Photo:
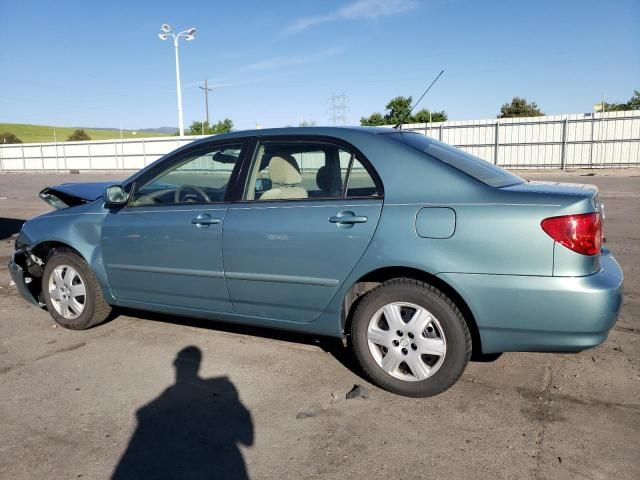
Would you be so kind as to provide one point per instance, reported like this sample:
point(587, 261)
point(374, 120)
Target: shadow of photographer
point(192, 430)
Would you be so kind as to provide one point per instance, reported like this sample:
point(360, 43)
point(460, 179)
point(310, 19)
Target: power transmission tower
point(338, 107)
point(206, 91)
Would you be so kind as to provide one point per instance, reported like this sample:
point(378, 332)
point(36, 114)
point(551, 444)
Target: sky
point(275, 63)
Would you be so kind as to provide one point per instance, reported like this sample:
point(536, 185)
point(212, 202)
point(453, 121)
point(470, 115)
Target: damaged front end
point(26, 270)
point(72, 194)
point(59, 200)
point(33, 247)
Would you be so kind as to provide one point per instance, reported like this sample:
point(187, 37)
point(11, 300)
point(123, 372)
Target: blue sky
point(101, 64)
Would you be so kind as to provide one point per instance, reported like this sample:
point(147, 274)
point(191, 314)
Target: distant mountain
point(46, 133)
point(170, 130)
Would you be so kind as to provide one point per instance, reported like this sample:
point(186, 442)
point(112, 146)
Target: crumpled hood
point(72, 194)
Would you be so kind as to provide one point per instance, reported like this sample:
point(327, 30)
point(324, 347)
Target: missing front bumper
point(25, 283)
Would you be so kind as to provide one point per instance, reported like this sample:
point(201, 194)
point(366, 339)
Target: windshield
point(465, 162)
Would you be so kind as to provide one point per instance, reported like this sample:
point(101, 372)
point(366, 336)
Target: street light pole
point(178, 88)
point(187, 35)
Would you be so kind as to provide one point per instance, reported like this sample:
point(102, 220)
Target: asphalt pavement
point(187, 398)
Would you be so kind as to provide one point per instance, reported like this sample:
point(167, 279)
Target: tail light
point(581, 233)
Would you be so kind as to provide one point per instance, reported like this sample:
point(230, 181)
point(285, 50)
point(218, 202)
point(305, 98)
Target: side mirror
point(115, 196)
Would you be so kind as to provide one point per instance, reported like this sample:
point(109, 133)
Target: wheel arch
point(33, 259)
point(89, 251)
point(374, 278)
point(43, 250)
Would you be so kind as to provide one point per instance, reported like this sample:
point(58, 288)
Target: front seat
point(285, 177)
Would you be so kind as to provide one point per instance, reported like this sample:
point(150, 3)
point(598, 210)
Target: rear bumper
point(19, 277)
point(543, 314)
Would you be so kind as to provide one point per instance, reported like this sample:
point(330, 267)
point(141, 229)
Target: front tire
point(410, 338)
point(72, 293)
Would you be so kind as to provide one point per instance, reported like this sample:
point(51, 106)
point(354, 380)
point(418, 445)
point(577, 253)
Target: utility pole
point(206, 91)
point(601, 132)
point(338, 108)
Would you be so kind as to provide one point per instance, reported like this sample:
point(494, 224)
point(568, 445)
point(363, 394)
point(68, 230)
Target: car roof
point(300, 131)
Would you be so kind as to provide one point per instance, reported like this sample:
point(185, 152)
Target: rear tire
point(72, 293)
point(424, 346)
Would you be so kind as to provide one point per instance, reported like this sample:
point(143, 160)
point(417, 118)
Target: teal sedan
point(416, 253)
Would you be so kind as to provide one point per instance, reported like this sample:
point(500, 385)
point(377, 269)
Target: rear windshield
point(465, 162)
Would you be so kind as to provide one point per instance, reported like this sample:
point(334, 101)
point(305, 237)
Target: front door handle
point(204, 219)
point(347, 218)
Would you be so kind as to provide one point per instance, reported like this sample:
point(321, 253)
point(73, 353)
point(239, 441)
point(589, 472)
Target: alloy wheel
point(406, 341)
point(67, 291)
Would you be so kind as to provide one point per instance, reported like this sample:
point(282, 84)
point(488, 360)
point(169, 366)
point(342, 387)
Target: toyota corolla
point(414, 251)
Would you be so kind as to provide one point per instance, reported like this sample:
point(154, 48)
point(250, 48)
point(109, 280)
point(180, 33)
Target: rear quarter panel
point(497, 231)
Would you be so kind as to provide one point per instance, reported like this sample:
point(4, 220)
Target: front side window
point(307, 170)
point(200, 178)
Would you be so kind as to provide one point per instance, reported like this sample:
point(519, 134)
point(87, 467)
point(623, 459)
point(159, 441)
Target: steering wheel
point(177, 197)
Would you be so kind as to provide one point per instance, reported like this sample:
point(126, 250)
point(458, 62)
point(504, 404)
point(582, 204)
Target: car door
point(165, 246)
point(308, 213)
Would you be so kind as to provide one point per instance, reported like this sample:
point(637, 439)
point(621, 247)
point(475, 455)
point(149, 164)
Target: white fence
point(590, 141)
point(129, 154)
point(609, 139)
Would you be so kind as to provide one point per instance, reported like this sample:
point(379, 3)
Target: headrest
point(323, 178)
point(284, 170)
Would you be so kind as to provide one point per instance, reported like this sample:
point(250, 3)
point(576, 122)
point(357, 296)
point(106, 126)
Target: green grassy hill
point(43, 133)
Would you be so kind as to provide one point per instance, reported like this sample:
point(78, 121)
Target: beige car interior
point(286, 179)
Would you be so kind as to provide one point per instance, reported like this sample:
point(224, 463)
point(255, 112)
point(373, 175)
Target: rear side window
point(307, 170)
point(473, 166)
point(355, 177)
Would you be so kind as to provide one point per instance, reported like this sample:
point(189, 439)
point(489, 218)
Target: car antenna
point(398, 126)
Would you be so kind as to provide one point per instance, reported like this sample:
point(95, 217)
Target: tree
point(426, 116)
point(610, 107)
point(374, 120)
point(307, 123)
point(223, 126)
point(8, 137)
point(634, 101)
point(397, 110)
point(632, 104)
point(203, 128)
point(519, 107)
point(78, 135)
point(198, 128)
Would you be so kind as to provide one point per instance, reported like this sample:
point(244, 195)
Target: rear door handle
point(348, 218)
point(204, 219)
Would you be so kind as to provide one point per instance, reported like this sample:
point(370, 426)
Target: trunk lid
point(556, 189)
point(569, 197)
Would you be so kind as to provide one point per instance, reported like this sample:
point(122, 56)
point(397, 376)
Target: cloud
point(280, 64)
point(360, 9)
point(290, 61)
